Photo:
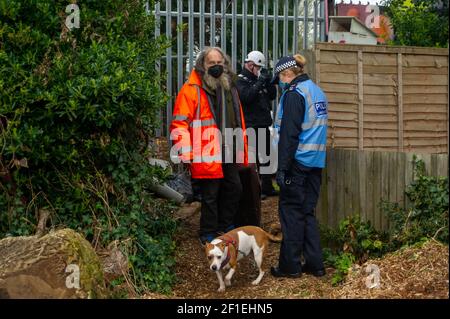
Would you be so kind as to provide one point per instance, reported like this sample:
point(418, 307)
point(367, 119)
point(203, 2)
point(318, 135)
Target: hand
point(265, 76)
point(280, 178)
point(260, 83)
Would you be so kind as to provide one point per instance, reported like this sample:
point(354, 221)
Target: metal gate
point(276, 28)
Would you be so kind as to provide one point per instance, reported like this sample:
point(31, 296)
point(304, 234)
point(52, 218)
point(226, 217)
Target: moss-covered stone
point(32, 267)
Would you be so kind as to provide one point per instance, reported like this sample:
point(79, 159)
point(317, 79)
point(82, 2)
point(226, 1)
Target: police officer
point(301, 124)
point(256, 94)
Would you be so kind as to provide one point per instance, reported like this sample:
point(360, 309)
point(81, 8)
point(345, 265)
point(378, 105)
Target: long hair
point(200, 61)
point(301, 62)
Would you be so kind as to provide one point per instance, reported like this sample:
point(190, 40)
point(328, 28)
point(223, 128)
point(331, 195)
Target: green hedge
point(77, 109)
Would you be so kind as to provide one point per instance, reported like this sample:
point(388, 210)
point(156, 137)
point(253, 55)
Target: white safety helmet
point(256, 57)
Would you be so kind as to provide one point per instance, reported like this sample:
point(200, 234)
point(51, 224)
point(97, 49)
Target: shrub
point(77, 109)
point(419, 22)
point(357, 237)
point(343, 262)
point(427, 216)
point(353, 241)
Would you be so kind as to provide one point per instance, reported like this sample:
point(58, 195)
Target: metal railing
point(276, 28)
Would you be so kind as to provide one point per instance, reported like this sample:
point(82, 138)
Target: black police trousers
point(298, 200)
point(220, 200)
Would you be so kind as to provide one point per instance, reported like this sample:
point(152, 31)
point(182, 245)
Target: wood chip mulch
point(420, 272)
point(413, 272)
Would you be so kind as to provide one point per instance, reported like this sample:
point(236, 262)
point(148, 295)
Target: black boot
point(276, 272)
point(315, 272)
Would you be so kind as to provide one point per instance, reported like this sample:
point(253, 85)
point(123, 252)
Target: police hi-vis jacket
point(312, 140)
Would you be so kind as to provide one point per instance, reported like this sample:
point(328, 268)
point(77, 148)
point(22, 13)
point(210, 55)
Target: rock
point(61, 264)
point(114, 261)
point(186, 211)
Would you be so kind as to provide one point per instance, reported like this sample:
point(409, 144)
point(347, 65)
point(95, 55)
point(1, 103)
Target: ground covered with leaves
point(420, 271)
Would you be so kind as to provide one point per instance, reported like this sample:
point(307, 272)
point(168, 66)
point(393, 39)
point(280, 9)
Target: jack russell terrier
point(224, 251)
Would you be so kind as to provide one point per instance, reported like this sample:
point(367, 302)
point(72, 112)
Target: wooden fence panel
point(370, 182)
point(355, 182)
point(385, 98)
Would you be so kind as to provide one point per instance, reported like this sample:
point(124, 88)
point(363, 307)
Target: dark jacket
point(256, 95)
point(293, 114)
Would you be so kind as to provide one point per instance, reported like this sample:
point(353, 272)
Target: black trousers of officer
point(298, 199)
point(220, 200)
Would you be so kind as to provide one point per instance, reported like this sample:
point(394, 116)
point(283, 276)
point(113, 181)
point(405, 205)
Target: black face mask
point(216, 70)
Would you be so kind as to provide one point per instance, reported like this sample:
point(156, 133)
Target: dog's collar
point(228, 240)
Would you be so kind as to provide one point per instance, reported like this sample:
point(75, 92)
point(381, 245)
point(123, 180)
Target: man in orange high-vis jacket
point(208, 131)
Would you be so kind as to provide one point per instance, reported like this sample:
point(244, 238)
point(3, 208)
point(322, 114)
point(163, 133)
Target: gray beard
point(214, 83)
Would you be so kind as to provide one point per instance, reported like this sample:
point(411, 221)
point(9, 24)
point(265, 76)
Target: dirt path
point(415, 272)
point(195, 280)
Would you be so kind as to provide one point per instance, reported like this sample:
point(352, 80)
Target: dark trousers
point(298, 199)
point(266, 179)
point(249, 212)
point(220, 201)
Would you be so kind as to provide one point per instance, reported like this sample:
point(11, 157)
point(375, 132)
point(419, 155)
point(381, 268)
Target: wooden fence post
point(400, 100)
point(360, 101)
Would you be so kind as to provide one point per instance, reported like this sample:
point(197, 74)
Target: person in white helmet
point(256, 94)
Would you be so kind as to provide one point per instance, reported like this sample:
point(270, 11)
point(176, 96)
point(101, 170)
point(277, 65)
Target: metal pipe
point(169, 71)
point(323, 16)
point(233, 35)
point(158, 61)
point(265, 31)
point(255, 26)
point(315, 22)
point(179, 45)
point(295, 28)
point(223, 26)
point(191, 36)
point(244, 31)
point(201, 28)
point(275, 31)
point(275, 51)
point(305, 25)
point(285, 28)
point(212, 41)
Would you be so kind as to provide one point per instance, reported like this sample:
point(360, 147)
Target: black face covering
point(216, 70)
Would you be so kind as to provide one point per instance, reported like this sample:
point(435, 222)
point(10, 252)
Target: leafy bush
point(342, 262)
point(356, 237)
point(77, 108)
point(427, 216)
point(419, 22)
point(356, 241)
point(353, 241)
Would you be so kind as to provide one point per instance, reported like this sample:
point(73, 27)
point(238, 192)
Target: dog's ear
point(208, 247)
point(221, 246)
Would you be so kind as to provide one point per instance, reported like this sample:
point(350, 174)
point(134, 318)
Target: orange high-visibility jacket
point(195, 132)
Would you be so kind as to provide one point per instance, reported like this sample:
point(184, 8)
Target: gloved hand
point(265, 76)
point(260, 83)
point(280, 178)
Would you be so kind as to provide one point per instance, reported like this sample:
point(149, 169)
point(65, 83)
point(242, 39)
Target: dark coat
point(256, 95)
